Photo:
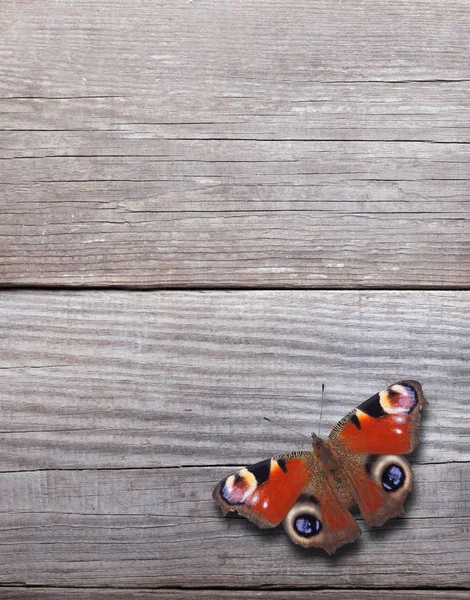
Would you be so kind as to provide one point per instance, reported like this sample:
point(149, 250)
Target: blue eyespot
point(393, 478)
point(307, 526)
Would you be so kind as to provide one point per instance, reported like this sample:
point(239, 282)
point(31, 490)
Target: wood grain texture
point(145, 379)
point(232, 144)
point(88, 48)
point(226, 144)
point(160, 527)
point(9, 593)
point(94, 383)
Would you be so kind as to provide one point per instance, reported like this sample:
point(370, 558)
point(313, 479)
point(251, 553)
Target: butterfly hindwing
point(379, 484)
point(264, 492)
point(318, 519)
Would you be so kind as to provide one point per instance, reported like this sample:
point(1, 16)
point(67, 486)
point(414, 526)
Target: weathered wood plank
point(111, 240)
point(159, 527)
point(83, 48)
point(238, 213)
point(231, 108)
point(15, 593)
point(70, 550)
point(145, 379)
point(195, 157)
point(441, 491)
point(246, 161)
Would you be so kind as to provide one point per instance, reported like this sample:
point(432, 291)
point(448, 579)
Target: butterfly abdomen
point(324, 455)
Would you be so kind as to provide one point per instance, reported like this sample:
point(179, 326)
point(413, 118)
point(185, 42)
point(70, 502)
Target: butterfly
point(359, 464)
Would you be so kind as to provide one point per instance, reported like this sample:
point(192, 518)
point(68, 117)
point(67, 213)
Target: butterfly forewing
point(264, 492)
point(386, 423)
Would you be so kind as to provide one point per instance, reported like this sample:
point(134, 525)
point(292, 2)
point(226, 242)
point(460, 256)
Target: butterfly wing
point(264, 492)
point(294, 488)
point(386, 423)
point(367, 442)
point(318, 518)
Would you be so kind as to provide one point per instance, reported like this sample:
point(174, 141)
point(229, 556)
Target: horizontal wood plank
point(38, 593)
point(94, 383)
point(231, 214)
point(84, 48)
point(168, 494)
point(160, 527)
point(145, 379)
point(271, 225)
point(231, 108)
point(235, 144)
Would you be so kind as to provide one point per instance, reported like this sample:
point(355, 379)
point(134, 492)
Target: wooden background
point(209, 209)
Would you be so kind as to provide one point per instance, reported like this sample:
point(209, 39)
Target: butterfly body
point(360, 464)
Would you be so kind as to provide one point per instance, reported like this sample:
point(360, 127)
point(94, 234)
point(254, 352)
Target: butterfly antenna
point(321, 407)
point(285, 427)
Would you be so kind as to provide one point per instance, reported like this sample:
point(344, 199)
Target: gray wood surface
point(143, 379)
point(221, 144)
point(226, 144)
point(160, 527)
point(176, 384)
point(132, 594)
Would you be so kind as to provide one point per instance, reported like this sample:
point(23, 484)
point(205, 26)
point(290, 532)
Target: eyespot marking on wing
point(398, 399)
point(237, 488)
point(393, 478)
point(307, 526)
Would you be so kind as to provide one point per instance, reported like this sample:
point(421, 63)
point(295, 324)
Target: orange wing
point(386, 423)
point(264, 492)
point(366, 443)
point(294, 488)
point(320, 518)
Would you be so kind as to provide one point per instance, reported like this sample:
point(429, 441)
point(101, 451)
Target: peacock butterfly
point(360, 463)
